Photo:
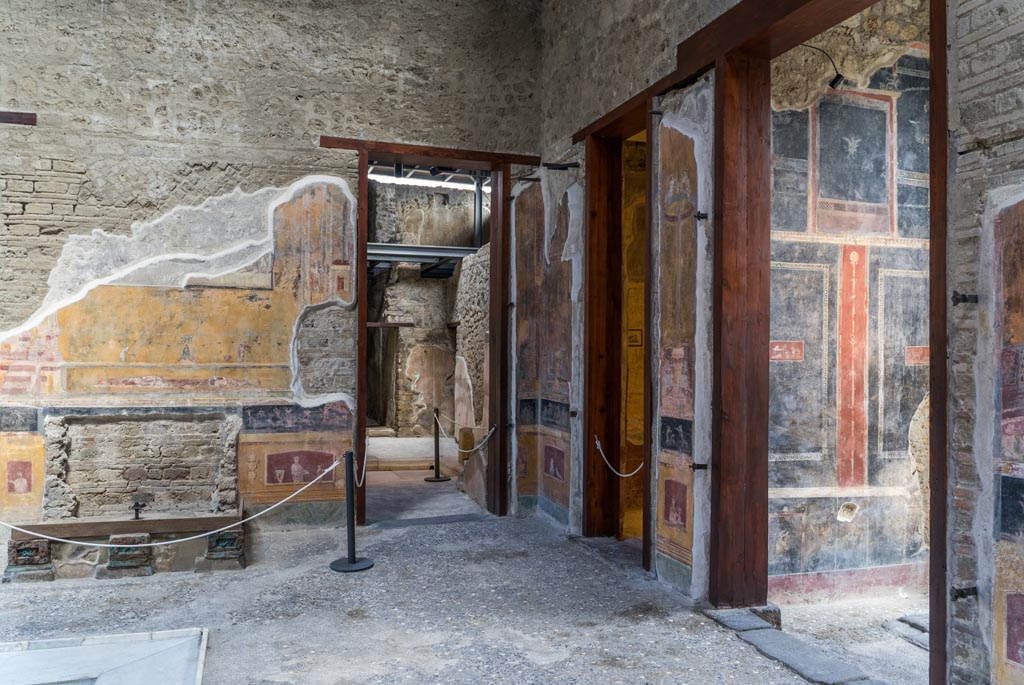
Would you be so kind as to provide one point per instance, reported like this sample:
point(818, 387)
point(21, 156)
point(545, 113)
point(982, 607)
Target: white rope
point(459, 449)
point(609, 465)
point(355, 464)
point(188, 539)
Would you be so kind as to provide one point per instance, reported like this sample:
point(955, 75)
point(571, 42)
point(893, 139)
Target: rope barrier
point(181, 540)
point(459, 449)
point(609, 465)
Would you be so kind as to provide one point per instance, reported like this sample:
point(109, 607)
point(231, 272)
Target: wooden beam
point(739, 472)
point(939, 146)
point(602, 334)
point(390, 324)
point(766, 29)
point(498, 470)
point(19, 118)
point(362, 331)
point(94, 528)
point(425, 155)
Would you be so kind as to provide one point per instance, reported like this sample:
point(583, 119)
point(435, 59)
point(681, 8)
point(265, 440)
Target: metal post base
point(437, 479)
point(344, 566)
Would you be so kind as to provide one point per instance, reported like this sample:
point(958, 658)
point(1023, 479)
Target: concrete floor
point(457, 596)
point(400, 454)
point(854, 630)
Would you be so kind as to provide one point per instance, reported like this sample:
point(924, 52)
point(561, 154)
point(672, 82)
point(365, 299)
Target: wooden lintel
point(19, 118)
point(425, 155)
point(390, 324)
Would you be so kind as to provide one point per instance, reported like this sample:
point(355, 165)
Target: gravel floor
point(854, 630)
point(488, 601)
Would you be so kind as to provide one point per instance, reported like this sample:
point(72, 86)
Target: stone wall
point(597, 55)
point(470, 310)
point(100, 465)
point(420, 375)
point(146, 106)
point(986, 72)
point(420, 215)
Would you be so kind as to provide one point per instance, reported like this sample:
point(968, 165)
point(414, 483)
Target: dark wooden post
point(739, 473)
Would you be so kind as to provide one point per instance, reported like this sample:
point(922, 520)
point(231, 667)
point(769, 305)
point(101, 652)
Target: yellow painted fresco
point(675, 507)
point(22, 471)
point(677, 283)
point(216, 339)
point(260, 484)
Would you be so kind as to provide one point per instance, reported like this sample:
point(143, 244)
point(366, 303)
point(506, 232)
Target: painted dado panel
point(237, 313)
point(849, 332)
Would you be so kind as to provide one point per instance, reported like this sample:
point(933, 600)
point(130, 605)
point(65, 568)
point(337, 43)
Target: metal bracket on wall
point(956, 593)
point(698, 467)
point(655, 112)
point(959, 297)
point(560, 166)
point(701, 216)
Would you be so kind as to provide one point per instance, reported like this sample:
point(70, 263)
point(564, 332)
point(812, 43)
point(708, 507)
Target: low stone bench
point(32, 559)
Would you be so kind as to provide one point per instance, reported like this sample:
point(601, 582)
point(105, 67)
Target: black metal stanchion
point(351, 564)
point(437, 477)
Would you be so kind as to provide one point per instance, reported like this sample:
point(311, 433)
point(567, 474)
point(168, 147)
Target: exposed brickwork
point(140, 111)
point(987, 123)
point(101, 465)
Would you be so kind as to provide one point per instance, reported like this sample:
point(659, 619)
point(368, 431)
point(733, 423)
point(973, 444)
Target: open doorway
point(428, 274)
point(848, 356)
point(616, 482)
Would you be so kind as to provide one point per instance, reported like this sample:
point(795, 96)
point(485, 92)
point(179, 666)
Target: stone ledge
point(804, 659)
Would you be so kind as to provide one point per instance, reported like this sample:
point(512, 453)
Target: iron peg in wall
point(700, 216)
point(963, 592)
point(560, 166)
point(962, 298)
point(655, 112)
point(698, 467)
point(137, 507)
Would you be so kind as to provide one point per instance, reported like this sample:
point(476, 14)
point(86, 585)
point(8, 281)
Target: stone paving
point(473, 600)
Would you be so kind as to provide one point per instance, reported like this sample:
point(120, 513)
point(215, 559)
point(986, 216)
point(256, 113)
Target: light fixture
point(836, 80)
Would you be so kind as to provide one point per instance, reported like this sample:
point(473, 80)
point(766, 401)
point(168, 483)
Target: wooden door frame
point(499, 164)
point(754, 29)
point(602, 337)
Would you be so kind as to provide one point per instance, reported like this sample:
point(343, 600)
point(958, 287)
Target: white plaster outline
point(300, 397)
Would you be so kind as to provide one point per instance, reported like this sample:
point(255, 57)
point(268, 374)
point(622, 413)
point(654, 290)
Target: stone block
point(28, 574)
point(127, 559)
point(229, 544)
point(19, 186)
point(739, 620)
point(51, 187)
point(28, 552)
point(38, 208)
point(806, 660)
point(68, 167)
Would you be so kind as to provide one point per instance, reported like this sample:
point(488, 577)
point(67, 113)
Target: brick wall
point(100, 465)
point(147, 106)
point(986, 131)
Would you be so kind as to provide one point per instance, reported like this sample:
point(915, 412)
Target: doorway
point(616, 477)
point(490, 481)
